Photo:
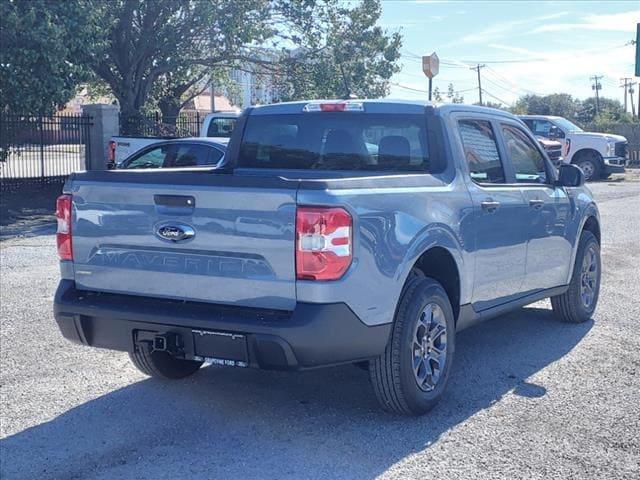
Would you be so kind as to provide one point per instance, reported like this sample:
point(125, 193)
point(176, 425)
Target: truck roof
point(217, 141)
point(551, 117)
point(385, 105)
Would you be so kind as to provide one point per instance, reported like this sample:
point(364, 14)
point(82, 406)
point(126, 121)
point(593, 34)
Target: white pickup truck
point(217, 125)
point(597, 154)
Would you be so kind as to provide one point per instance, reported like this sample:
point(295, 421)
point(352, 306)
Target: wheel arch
point(438, 262)
point(586, 150)
point(591, 224)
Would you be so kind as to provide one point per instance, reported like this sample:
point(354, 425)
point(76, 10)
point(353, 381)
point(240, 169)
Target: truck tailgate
point(186, 235)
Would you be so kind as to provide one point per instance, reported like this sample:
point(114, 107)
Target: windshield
point(566, 125)
point(336, 141)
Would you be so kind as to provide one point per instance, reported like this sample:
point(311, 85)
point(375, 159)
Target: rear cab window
point(194, 155)
point(221, 127)
point(342, 141)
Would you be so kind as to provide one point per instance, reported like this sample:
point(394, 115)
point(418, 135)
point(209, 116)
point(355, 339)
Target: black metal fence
point(42, 148)
point(186, 124)
point(631, 131)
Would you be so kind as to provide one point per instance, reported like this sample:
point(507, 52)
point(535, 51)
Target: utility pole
point(596, 85)
point(633, 108)
point(627, 83)
point(477, 69)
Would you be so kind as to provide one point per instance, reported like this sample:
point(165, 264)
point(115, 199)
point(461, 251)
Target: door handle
point(490, 205)
point(536, 203)
point(175, 201)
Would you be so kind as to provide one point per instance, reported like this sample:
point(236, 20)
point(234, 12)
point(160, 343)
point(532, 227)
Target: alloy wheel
point(429, 347)
point(589, 277)
point(588, 169)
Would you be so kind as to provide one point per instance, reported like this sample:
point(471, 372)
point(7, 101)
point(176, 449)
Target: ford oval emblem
point(175, 233)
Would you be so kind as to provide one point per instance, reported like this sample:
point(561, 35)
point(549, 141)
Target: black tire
point(590, 164)
point(392, 375)
point(161, 364)
point(570, 307)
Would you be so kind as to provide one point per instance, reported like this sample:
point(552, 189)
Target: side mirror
point(570, 176)
point(555, 132)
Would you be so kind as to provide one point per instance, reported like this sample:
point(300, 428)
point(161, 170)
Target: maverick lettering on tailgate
point(212, 263)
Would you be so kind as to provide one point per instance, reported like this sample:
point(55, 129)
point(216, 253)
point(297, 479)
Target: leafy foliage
point(453, 96)
point(41, 42)
point(351, 54)
point(164, 52)
point(564, 105)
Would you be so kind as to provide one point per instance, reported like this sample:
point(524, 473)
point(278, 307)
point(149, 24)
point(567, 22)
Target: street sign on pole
point(430, 67)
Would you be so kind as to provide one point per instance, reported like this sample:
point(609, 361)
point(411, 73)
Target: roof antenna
point(348, 95)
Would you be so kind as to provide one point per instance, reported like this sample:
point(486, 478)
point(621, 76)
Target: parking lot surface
point(529, 397)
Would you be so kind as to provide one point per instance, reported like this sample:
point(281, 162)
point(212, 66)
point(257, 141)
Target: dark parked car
point(177, 153)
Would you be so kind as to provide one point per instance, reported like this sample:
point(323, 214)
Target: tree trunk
point(170, 109)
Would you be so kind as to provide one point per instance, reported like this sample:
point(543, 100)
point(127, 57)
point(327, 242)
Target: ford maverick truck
point(334, 232)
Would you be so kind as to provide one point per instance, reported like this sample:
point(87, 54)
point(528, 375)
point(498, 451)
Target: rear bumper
point(313, 335)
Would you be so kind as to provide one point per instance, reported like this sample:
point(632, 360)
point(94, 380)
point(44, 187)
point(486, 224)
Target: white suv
point(597, 154)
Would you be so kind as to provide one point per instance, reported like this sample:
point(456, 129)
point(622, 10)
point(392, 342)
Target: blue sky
point(529, 47)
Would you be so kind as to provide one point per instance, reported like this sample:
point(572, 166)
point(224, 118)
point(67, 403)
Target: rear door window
point(336, 141)
point(193, 155)
point(481, 151)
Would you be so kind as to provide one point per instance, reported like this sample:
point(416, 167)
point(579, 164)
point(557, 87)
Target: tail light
point(63, 234)
point(323, 243)
point(111, 151)
point(334, 107)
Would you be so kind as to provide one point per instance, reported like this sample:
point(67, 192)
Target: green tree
point(348, 54)
point(171, 45)
point(491, 104)
point(40, 43)
point(564, 105)
point(161, 52)
point(453, 96)
point(610, 111)
point(437, 95)
point(560, 104)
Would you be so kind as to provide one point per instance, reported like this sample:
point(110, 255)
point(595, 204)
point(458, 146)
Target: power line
point(424, 91)
point(496, 98)
point(510, 82)
point(502, 87)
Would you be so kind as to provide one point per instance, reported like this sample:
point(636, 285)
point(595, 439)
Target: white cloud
point(413, 23)
point(617, 22)
point(563, 71)
point(500, 30)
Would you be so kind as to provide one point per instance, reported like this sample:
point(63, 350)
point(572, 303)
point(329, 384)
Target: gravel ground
point(529, 397)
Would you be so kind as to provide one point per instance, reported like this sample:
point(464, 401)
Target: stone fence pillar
point(106, 124)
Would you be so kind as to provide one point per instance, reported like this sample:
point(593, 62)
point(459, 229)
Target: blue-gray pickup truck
point(334, 232)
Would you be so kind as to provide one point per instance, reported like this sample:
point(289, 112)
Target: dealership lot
point(529, 398)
